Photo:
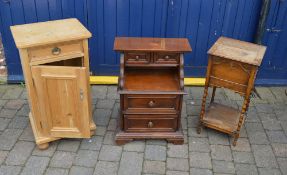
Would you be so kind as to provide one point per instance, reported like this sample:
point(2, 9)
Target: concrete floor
point(261, 149)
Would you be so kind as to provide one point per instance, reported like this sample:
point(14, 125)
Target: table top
point(152, 44)
point(238, 50)
point(42, 33)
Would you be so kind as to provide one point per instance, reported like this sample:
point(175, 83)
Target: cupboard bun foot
point(92, 133)
point(43, 146)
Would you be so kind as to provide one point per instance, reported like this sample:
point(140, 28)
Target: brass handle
point(56, 51)
point(150, 124)
point(137, 57)
point(151, 103)
point(166, 57)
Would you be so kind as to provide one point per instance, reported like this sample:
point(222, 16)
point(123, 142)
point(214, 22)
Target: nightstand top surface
point(238, 50)
point(152, 44)
point(42, 33)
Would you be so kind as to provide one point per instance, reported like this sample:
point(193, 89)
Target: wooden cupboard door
point(63, 100)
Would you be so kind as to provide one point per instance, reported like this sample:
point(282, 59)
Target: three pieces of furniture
point(232, 64)
point(151, 88)
point(55, 62)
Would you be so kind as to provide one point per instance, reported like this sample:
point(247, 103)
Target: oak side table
point(151, 88)
point(55, 62)
point(232, 64)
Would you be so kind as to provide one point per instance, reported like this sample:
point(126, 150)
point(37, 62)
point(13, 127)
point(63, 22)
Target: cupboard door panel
point(63, 100)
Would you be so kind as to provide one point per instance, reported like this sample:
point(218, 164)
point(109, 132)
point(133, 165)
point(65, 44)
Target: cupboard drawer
point(150, 123)
point(166, 58)
point(151, 101)
point(44, 53)
point(137, 58)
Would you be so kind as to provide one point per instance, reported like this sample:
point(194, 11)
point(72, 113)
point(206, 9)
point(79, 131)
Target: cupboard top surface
point(238, 50)
point(42, 33)
point(152, 44)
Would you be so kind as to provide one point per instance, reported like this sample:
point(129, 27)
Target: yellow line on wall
point(106, 80)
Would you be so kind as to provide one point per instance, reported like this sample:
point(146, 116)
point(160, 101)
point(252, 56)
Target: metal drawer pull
point(137, 57)
point(56, 51)
point(150, 124)
point(166, 57)
point(151, 104)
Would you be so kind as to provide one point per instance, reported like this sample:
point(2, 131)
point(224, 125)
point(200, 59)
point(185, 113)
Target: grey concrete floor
point(261, 149)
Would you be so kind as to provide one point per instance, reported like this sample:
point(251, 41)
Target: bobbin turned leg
point(213, 94)
point(236, 136)
point(200, 125)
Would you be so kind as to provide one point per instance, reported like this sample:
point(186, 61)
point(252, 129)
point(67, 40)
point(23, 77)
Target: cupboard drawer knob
point(56, 51)
point(166, 57)
point(137, 57)
point(151, 103)
point(150, 124)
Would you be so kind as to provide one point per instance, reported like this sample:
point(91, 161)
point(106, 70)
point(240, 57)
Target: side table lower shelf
point(221, 117)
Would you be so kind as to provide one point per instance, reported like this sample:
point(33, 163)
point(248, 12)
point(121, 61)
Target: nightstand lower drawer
point(150, 123)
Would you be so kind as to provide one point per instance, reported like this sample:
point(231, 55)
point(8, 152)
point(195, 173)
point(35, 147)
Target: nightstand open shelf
point(165, 79)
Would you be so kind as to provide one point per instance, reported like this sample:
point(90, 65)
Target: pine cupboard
point(55, 61)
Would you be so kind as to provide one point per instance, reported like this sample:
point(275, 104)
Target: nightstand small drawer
point(151, 102)
point(55, 51)
point(137, 58)
point(150, 123)
point(166, 58)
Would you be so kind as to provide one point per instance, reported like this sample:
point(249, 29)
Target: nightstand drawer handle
point(56, 51)
point(150, 124)
point(166, 57)
point(151, 103)
point(137, 57)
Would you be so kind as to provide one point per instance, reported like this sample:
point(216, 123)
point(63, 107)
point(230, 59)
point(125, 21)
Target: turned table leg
point(213, 94)
point(200, 125)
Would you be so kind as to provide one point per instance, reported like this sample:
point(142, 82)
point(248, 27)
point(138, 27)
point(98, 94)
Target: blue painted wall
point(274, 66)
point(201, 21)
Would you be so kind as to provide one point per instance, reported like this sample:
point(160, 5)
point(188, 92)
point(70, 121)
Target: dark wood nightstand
point(151, 88)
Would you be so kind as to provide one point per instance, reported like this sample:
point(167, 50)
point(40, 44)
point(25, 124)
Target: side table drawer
point(151, 102)
point(225, 73)
point(166, 58)
point(150, 123)
point(137, 58)
point(43, 53)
